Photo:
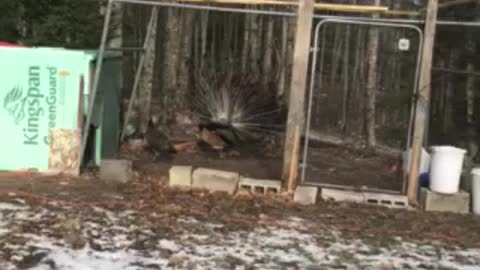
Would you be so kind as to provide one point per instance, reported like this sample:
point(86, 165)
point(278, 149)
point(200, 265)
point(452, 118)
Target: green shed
point(44, 97)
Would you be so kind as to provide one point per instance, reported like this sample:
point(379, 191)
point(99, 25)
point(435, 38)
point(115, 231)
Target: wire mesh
point(360, 70)
point(454, 114)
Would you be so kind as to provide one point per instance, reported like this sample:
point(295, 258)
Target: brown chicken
point(157, 142)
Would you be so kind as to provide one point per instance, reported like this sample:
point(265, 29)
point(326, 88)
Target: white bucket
point(446, 168)
point(476, 191)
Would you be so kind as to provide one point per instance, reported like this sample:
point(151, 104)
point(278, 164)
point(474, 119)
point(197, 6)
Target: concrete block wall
point(223, 181)
point(230, 182)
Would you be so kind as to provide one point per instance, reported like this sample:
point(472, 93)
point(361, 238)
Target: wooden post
point(423, 99)
point(296, 105)
point(293, 174)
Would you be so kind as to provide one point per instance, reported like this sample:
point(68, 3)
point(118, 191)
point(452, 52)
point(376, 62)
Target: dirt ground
point(150, 192)
point(326, 165)
point(341, 166)
point(63, 223)
point(260, 168)
point(116, 217)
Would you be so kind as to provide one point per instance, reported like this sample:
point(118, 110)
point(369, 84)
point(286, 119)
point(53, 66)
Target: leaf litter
point(161, 228)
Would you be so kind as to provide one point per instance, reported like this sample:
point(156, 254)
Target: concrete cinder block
point(180, 176)
point(305, 195)
point(342, 195)
point(116, 170)
point(455, 203)
point(260, 186)
point(387, 200)
point(215, 180)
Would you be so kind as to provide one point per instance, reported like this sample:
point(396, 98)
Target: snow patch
point(88, 259)
point(5, 206)
point(168, 245)
point(113, 241)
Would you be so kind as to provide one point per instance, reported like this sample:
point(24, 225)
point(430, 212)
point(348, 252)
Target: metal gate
point(317, 72)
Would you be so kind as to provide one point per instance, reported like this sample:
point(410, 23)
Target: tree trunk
point(145, 89)
point(213, 43)
point(282, 60)
point(289, 55)
point(225, 41)
point(320, 73)
point(438, 108)
point(255, 45)
point(197, 47)
point(267, 59)
point(356, 103)
point(372, 84)
point(401, 114)
point(472, 49)
point(246, 43)
point(204, 37)
point(128, 37)
point(236, 40)
point(173, 42)
point(448, 114)
point(115, 37)
point(183, 72)
point(395, 85)
point(346, 81)
point(336, 57)
point(470, 96)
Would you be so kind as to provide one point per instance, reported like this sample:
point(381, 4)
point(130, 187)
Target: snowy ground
point(40, 238)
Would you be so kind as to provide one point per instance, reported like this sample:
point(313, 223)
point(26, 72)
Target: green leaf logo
point(14, 104)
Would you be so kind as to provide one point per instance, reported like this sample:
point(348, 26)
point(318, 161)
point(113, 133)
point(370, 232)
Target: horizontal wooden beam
point(317, 6)
point(454, 3)
point(451, 3)
point(456, 71)
point(400, 13)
